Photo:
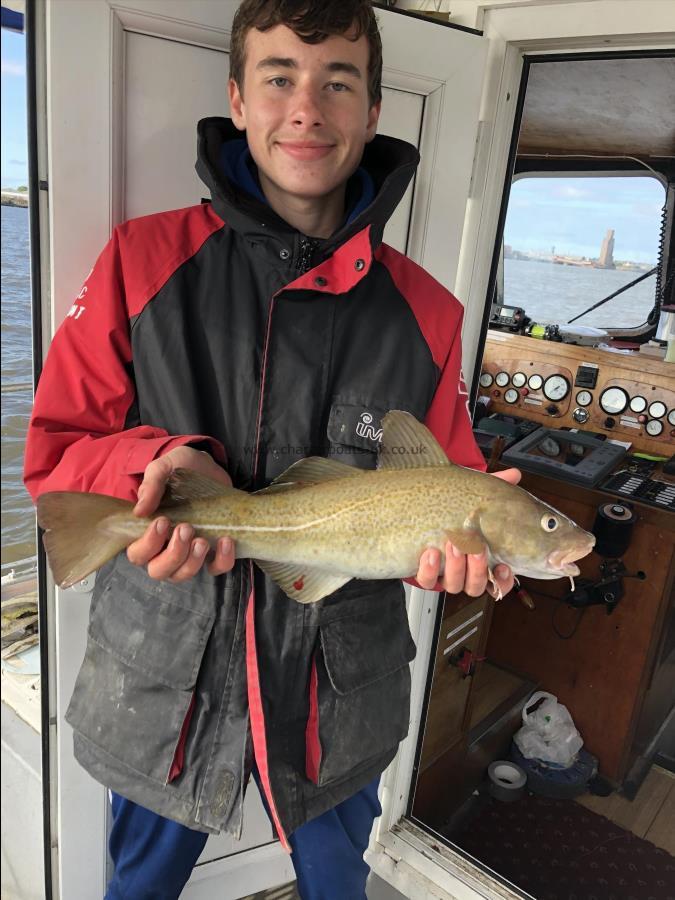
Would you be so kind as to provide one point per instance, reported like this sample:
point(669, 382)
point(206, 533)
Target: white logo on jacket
point(366, 429)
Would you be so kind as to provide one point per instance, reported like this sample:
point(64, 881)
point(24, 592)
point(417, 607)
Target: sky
point(14, 156)
point(570, 214)
point(573, 215)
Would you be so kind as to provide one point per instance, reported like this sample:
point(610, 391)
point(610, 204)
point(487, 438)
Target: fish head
point(533, 538)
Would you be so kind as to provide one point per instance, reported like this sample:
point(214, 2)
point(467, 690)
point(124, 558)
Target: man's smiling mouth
point(305, 149)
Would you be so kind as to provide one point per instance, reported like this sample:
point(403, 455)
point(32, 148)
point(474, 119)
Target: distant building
point(606, 259)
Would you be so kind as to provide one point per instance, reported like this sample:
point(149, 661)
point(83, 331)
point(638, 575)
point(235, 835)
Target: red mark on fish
point(300, 583)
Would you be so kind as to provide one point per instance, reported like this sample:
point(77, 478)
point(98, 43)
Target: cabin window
point(18, 521)
point(569, 242)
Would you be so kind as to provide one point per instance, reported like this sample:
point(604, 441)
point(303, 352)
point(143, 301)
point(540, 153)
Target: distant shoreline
point(14, 198)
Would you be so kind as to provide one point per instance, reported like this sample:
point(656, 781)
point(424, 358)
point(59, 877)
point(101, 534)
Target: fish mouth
point(563, 561)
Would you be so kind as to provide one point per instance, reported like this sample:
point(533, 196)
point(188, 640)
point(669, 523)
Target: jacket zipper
point(304, 261)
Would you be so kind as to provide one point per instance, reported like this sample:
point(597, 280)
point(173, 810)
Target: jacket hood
point(389, 162)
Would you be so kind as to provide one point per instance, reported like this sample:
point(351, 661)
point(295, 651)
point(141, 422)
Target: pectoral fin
point(302, 583)
point(469, 541)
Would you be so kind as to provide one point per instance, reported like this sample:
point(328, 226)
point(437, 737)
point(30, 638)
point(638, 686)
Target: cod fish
point(322, 522)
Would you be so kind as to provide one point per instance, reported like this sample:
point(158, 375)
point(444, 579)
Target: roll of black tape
point(613, 528)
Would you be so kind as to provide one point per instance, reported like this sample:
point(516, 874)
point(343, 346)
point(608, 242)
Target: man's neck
point(315, 217)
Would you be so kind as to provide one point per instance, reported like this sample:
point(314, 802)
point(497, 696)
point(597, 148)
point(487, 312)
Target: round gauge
point(519, 379)
point(502, 379)
point(580, 415)
point(613, 400)
point(485, 379)
point(584, 398)
point(654, 427)
point(638, 404)
point(535, 382)
point(556, 387)
point(511, 396)
point(671, 417)
point(549, 446)
point(657, 409)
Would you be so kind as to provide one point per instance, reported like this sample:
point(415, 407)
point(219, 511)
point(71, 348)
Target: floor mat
point(558, 850)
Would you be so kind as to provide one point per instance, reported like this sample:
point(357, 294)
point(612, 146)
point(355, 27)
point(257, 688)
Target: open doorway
point(575, 387)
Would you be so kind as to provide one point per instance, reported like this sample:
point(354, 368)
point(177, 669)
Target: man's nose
point(307, 107)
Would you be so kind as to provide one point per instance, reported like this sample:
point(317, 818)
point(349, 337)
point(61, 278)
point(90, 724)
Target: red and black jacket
point(222, 326)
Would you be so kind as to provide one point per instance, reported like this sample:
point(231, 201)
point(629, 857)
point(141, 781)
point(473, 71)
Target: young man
point(234, 338)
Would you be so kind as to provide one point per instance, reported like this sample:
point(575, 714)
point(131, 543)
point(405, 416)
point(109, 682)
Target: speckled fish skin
point(377, 524)
point(322, 522)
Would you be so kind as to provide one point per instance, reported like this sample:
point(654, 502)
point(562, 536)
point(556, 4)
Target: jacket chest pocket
point(360, 682)
point(145, 646)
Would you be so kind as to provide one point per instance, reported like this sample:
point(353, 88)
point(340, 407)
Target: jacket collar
point(390, 162)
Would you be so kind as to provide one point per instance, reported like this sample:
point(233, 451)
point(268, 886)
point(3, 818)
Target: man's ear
point(237, 109)
point(373, 118)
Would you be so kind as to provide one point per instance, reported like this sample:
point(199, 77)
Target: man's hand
point(468, 573)
point(184, 555)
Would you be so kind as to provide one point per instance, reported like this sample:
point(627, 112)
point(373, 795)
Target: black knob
point(610, 422)
point(552, 409)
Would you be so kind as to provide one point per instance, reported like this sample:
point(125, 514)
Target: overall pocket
point(145, 645)
point(360, 681)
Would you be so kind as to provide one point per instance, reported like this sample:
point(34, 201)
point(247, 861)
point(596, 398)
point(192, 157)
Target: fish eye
point(549, 523)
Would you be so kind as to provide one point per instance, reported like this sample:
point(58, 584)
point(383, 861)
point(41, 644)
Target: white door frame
point(400, 852)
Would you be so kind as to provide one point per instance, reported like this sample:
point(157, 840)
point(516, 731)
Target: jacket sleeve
point(78, 437)
point(448, 417)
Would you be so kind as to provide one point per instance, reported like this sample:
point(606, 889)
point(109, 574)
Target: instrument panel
point(628, 398)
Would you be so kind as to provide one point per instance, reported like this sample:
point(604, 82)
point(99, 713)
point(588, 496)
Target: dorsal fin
point(186, 486)
point(314, 470)
point(408, 444)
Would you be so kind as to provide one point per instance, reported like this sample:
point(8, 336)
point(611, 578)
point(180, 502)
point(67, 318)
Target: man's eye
point(338, 86)
point(279, 81)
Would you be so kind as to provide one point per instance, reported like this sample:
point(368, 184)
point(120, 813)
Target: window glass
point(18, 519)
point(570, 242)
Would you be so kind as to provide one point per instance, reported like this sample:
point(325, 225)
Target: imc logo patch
point(366, 429)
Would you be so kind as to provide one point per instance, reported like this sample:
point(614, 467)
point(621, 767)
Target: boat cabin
point(547, 186)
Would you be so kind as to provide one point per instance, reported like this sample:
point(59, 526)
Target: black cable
point(565, 637)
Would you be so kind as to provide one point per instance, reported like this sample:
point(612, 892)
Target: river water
point(542, 288)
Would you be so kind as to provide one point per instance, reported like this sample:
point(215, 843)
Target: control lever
point(607, 591)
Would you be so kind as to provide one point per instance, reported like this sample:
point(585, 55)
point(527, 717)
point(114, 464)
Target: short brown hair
point(313, 21)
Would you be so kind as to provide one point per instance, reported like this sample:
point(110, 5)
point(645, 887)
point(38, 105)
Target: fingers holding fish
point(157, 473)
point(141, 551)
point(429, 570)
point(223, 557)
point(502, 582)
point(476, 579)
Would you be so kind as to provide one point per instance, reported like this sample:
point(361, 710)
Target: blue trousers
point(154, 856)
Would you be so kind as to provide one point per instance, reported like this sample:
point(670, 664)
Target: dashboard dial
point(584, 398)
point(556, 387)
point(657, 409)
point(613, 400)
point(638, 404)
point(671, 417)
point(519, 379)
point(511, 396)
point(502, 379)
point(580, 415)
point(486, 379)
point(654, 427)
point(535, 382)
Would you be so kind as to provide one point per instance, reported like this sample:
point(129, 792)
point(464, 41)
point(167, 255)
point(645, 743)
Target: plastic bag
point(548, 733)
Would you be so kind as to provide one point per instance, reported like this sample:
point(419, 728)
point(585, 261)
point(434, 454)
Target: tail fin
point(75, 542)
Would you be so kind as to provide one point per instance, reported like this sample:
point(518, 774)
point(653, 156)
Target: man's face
point(306, 110)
